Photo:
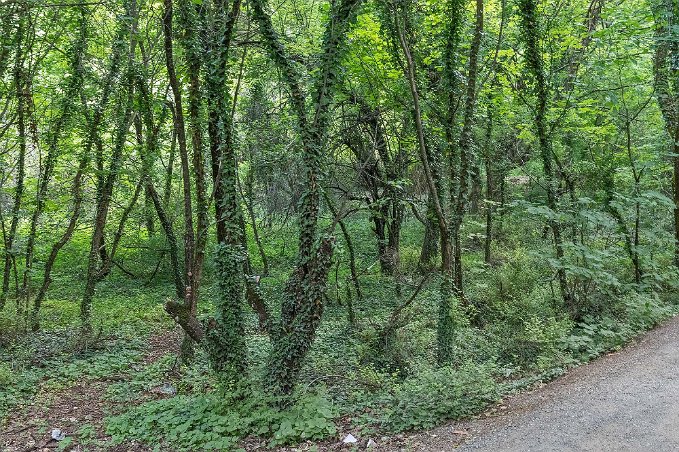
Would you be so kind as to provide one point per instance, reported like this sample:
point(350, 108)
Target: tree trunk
point(302, 306)
point(445, 327)
point(21, 86)
point(49, 264)
point(533, 57)
point(124, 114)
point(465, 148)
point(184, 312)
point(179, 133)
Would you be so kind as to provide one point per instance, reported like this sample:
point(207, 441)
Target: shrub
point(540, 344)
point(6, 375)
point(435, 395)
point(218, 420)
point(635, 313)
point(644, 311)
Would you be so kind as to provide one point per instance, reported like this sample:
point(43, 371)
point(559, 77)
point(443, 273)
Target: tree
point(666, 72)
point(302, 306)
point(530, 29)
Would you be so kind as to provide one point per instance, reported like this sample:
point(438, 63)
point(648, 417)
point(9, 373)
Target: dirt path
point(626, 401)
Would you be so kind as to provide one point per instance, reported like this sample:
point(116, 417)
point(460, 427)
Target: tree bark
point(124, 121)
point(529, 29)
point(20, 86)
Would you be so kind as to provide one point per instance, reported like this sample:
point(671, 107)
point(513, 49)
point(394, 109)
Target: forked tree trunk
point(303, 305)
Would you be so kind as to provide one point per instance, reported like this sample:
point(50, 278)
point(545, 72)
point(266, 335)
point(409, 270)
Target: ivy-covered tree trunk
point(302, 306)
point(491, 167)
point(224, 336)
point(666, 72)
point(20, 84)
point(226, 339)
point(169, 174)
point(465, 148)
point(123, 121)
point(392, 207)
point(530, 29)
point(6, 40)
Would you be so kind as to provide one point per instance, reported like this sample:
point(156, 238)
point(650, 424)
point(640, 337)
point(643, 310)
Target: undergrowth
point(220, 420)
point(355, 377)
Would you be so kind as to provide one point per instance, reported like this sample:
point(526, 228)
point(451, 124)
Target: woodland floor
point(80, 405)
point(624, 401)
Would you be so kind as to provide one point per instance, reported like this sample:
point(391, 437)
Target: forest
point(252, 224)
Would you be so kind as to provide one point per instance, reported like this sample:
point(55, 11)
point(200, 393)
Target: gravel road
point(626, 401)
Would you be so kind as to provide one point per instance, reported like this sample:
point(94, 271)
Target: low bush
point(220, 420)
point(434, 395)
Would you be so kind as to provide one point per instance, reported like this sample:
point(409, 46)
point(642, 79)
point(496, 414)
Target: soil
point(71, 408)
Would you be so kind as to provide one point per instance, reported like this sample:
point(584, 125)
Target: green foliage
point(143, 380)
point(10, 327)
point(86, 434)
point(540, 346)
point(65, 443)
point(225, 341)
point(635, 313)
point(218, 421)
point(435, 395)
point(6, 375)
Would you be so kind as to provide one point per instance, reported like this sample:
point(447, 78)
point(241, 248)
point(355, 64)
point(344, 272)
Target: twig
point(127, 272)
point(19, 430)
point(391, 324)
